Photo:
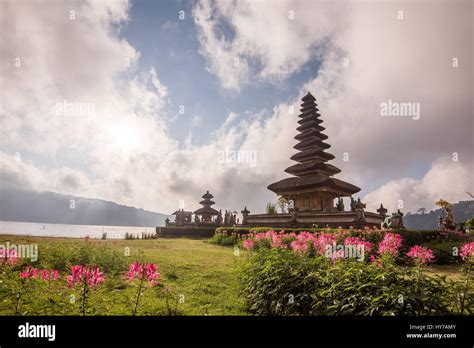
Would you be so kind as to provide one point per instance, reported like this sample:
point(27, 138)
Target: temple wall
point(308, 219)
point(201, 231)
point(318, 201)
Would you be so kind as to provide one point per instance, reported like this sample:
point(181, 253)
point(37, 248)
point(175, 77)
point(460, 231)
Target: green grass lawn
point(203, 278)
point(202, 275)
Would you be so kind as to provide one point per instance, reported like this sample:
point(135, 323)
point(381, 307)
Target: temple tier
point(206, 212)
point(312, 187)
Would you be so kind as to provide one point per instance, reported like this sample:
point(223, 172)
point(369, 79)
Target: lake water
point(73, 231)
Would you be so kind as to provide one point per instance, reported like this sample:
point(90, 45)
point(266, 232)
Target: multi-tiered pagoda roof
point(312, 172)
point(206, 205)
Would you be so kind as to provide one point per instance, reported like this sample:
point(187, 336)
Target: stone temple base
point(186, 231)
point(309, 219)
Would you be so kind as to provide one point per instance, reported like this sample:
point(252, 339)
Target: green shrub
point(278, 282)
point(62, 257)
point(224, 239)
point(444, 251)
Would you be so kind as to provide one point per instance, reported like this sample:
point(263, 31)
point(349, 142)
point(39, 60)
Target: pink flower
point(81, 274)
point(151, 274)
point(9, 257)
point(358, 242)
point(277, 241)
point(374, 259)
point(54, 274)
point(49, 274)
point(467, 251)
point(29, 272)
point(270, 234)
point(259, 236)
point(390, 244)
point(321, 243)
point(44, 274)
point(248, 244)
point(147, 271)
point(421, 254)
point(300, 246)
point(94, 276)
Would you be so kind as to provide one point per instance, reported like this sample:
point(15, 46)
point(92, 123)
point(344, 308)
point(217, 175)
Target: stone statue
point(447, 221)
point(291, 205)
point(179, 218)
point(167, 222)
point(187, 218)
point(359, 209)
point(226, 218)
point(353, 204)
point(393, 222)
point(440, 224)
point(197, 220)
point(293, 216)
point(245, 213)
point(382, 211)
point(219, 218)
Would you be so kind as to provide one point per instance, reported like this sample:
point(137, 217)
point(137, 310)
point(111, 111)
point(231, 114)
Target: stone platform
point(309, 219)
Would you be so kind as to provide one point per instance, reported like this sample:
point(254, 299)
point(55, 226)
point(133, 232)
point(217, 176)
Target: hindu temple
point(312, 188)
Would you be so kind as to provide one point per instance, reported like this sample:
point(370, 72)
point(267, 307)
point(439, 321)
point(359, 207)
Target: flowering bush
point(466, 300)
point(421, 254)
point(86, 288)
point(45, 274)
point(280, 281)
point(306, 243)
point(248, 244)
point(390, 244)
point(87, 278)
point(467, 251)
point(143, 272)
point(8, 257)
point(293, 274)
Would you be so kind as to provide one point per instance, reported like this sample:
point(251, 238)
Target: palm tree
point(271, 208)
point(421, 210)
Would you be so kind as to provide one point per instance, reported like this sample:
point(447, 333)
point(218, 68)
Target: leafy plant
point(271, 208)
point(278, 281)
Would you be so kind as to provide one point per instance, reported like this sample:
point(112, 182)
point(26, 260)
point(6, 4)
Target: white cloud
point(446, 179)
point(129, 156)
point(269, 42)
point(407, 60)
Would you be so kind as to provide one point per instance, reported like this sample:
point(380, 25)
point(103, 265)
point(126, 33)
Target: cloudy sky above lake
point(134, 102)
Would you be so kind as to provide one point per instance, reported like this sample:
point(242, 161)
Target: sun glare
point(124, 137)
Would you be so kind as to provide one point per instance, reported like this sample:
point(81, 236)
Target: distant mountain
point(462, 211)
point(50, 207)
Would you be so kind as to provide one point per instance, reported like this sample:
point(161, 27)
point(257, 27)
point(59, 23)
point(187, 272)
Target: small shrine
point(204, 217)
point(205, 214)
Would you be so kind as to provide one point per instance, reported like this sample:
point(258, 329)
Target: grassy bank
point(201, 276)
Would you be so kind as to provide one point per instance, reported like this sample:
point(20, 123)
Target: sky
point(137, 101)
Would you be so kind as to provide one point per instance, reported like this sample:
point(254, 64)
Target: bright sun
point(124, 137)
